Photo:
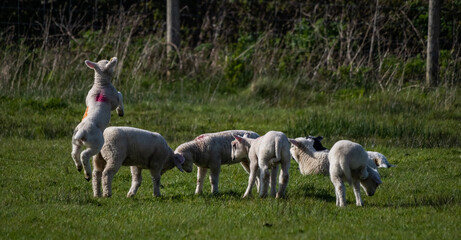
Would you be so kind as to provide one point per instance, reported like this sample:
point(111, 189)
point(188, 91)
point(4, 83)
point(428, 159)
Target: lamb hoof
point(88, 178)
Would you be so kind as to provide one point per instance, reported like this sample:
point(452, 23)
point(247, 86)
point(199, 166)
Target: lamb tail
point(278, 151)
point(346, 171)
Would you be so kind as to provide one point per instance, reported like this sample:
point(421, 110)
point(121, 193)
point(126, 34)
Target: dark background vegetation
point(355, 68)
point(322, 45)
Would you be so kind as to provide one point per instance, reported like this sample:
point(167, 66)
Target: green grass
point(43, 196)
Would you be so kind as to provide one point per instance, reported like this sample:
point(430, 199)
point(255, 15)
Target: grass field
point(43, 195)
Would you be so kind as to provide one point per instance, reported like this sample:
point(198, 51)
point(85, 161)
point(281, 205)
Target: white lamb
point(210, 151)
point(310, 160)
point(379, 159)
point(348, 161)
point(265, 153)
point(140, 149)
point(100, 101)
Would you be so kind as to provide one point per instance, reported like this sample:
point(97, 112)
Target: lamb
point(265, 153)
point(379, 159)
point(100, 101)
point(210, 151)
point(348, 161)
point(310, 160)
point(138, 148)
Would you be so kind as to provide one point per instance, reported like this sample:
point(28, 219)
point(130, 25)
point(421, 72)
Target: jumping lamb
point(100, 101)
point(210, 151)
point(348, 162)
point(265, 153)
point(138, 148)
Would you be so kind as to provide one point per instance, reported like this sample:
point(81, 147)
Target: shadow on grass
point(317, 192)
point(181, 197)
point(224, 195)
point(434, 201)
point(320, 194)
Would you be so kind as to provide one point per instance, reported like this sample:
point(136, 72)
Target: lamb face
point(299, 145)
point(188, 157)
point(294, 151)
point(103, 67)
point(371, 183)
point(317, 143)
point(179, 162)
point(240, 148)
point(187, 164)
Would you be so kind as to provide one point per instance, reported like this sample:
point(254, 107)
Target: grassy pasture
point(43, 196)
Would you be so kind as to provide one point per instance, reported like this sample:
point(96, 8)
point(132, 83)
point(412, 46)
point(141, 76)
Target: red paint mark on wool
point(200, 137)
point(101, 98)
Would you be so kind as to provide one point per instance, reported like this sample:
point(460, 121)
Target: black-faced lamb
point(100, 101)
point(210, 151)
point(348, 162)
point(138, 148)
point(265, 153)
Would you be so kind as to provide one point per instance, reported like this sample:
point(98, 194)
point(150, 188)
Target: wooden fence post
point(432, 60)
point(172, 24)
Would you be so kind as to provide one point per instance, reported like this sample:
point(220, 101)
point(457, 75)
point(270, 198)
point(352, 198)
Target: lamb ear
point(178, 161)
point(377, 180)
point(294, 142)
point(112, 62)
point(239, 139)
point(92, 65)
point(320, 138)
point(375, 160)
point(375, 175)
